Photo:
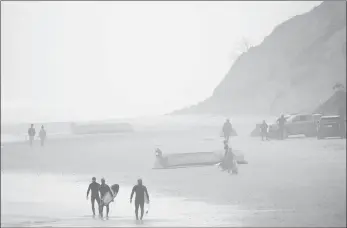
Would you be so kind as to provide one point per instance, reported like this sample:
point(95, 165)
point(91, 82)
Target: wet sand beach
point(296, 182)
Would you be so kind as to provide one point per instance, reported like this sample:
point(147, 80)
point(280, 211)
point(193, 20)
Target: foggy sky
point(93, 60)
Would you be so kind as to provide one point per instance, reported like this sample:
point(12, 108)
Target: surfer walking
point(42, 135)
point(94, 188)
point(263, 130)
point(103, 189)
point(228, 163)
point(281, 122)
point(31, 134)
point(140, 191)
point(227, 129)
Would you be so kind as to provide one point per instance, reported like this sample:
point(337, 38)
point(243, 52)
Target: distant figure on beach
point(263, 130)
point(94, 187)
point(158, 153)
point(104, 188)
point(281, 121)
point(227, 130)
point(228, 163)
point(140, 191)
point(31, 133)
point(42, 135)
point(342, 114)
point(226, 148)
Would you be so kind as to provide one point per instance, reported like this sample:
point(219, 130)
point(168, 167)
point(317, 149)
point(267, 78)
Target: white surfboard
point(107, 199)
point(146, 203)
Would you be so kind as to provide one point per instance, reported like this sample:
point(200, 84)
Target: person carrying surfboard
point(227, 130)
point(141, 195)
point(94, 187)
point(103, 189)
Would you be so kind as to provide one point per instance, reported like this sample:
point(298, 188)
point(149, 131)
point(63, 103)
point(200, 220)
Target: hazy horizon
point(100, 60)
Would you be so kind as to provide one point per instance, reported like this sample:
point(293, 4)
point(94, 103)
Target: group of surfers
point(95, 188)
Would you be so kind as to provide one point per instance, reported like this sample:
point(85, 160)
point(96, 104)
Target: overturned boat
point(193, 159)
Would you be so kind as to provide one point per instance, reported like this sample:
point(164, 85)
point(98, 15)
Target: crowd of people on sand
point(98, 193)
point(32, 132)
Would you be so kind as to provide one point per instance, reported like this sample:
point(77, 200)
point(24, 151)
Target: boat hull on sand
point(196, 159)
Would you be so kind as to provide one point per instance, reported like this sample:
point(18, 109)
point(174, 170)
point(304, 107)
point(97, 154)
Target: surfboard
point(146, 203)
point(107, 199)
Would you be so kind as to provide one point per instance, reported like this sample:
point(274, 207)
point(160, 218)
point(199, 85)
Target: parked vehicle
point(329, 126)
point(297, 124)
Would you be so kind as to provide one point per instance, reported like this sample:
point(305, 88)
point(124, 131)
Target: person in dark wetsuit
point(31, 133)
point(227, 129)
point(263, 130)
point(103, 189)
point(228, 157)
point(140, 191)
point(342, 121)
point(94, 187)
point(226, 148)
point(42, 135)
point(281, 121)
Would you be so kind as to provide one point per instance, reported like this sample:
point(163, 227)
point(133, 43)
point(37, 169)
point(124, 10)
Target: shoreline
point(120, 213)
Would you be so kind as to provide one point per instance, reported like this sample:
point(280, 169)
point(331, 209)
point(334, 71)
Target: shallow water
point(52, 200)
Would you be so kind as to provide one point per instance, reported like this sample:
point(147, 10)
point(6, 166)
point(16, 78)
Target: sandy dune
point(296, 182)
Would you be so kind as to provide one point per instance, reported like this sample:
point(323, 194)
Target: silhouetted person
point(140, 191)
point(227, 129)
point(31, 133)
point(224, 163)
point(342, 124)
point(226, 148)
point(281, 121)
point(263, 130)
point(94, 187)
point(42, 135)
point(103, 189)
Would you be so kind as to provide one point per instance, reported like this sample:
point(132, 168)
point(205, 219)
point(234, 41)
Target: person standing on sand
point(140, 191)
point(42, 135)
point(94, 187)
point(263, 130)
point(228, 163)
point(227, 129)
point(103, 189)
point(281, 121)
point(342, 114)
point(223, 164)
point(226, 148)
point(31, 133)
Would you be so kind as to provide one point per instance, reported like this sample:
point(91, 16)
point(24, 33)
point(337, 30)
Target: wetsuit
point(263, 129)
point(228, 159)
point(342, 114)
point(226, 150)
point(94, 187)
point(42, 135)
point(281, 122)
point(140, 191)
point(227, 129)
point(31, 133)
point(103, 189)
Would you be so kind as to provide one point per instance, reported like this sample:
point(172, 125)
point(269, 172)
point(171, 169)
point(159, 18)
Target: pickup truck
point(297, 124)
